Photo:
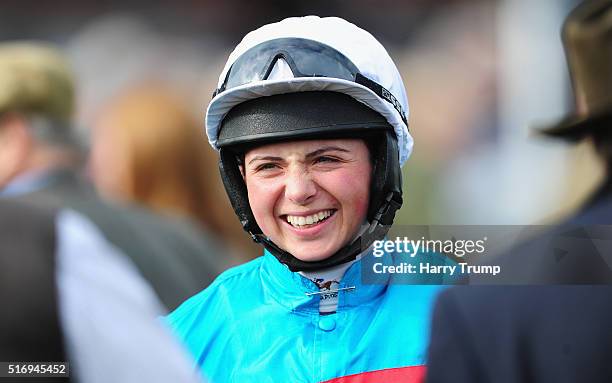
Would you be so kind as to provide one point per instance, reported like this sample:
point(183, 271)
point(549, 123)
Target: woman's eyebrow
point(265, 158)
point(318, 152)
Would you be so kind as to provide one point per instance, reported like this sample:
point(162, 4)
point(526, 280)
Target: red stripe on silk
point(411, 374)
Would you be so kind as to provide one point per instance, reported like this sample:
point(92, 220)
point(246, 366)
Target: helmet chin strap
point(373, 231)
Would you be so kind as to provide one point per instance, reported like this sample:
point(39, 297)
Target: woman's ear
point(240, 161)
point(241, 167)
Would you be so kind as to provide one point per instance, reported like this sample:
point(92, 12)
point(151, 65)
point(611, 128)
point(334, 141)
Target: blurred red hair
point(149, 149)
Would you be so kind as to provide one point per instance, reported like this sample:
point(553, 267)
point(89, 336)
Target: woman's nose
point(300, 187)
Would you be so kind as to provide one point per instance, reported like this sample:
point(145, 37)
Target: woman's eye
point(325, 159)
point(267, 166)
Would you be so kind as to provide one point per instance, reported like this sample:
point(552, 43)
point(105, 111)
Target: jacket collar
point(35, 181)
point(596, 210)
point(300, 294)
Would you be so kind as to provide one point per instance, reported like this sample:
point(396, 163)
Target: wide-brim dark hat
point(575, 128)
point(587, 39)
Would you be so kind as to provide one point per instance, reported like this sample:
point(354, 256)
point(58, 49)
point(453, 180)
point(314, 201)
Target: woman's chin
point(310, 252)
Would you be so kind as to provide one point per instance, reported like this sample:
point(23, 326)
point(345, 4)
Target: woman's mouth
point(304, 222)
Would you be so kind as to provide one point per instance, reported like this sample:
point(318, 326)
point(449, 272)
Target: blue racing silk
point(260, 322)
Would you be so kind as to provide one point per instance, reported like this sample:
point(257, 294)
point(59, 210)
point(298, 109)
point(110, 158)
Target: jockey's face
point(309, 197)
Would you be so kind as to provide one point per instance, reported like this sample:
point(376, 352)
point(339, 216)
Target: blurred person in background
point(547, 333)
point(70, 296)
point(147, 149)
point(40, 161)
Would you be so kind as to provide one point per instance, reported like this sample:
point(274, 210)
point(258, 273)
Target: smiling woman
point(309, 120)
point(302, 121)
point(309, 197)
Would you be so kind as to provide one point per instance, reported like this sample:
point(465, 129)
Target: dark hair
point(602, 140)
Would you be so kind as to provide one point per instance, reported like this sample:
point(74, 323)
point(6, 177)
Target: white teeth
point(308, 220)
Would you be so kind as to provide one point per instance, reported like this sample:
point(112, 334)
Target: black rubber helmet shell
point(303, 116)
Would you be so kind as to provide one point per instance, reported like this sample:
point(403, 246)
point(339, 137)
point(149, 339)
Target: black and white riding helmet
point(312, 77)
